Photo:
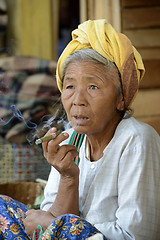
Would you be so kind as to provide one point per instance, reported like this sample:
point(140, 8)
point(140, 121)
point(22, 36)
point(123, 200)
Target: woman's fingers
point(36, 217)
point(60, 157)
point(55, 142)
point(29, 212)
point(60, 138)
point(64, 161)
point(45, 144)
point(65, 150)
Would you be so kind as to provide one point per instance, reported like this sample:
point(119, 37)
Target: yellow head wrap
point(115, 46)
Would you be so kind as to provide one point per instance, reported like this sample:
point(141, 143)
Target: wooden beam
point(133, 3)
point(145, 104)
point(143, 38)
point(144, 17)
point(149, 53)
point(151, 78)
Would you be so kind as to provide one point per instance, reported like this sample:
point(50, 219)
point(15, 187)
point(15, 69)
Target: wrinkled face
point(89, 96)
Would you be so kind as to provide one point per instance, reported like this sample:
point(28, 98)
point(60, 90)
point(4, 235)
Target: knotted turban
point(113, 45)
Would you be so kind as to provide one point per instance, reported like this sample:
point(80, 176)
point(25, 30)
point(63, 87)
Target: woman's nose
point(80, 98)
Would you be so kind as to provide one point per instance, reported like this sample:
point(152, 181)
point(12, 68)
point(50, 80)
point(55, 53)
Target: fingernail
point(65, 134)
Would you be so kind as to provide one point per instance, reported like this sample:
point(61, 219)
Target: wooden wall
point(140, 21)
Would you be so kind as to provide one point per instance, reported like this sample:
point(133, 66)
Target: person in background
point(105, 169)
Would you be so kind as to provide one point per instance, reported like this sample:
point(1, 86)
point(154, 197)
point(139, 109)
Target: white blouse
point(119, 193)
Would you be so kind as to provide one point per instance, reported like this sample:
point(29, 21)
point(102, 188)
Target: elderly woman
point(112, 186)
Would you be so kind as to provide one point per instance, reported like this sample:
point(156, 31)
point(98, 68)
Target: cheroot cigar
point(47, 138)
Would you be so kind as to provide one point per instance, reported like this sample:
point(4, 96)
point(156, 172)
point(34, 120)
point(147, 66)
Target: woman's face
point(89, 96)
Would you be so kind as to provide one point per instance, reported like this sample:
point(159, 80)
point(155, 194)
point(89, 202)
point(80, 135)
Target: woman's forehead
point(91, 68)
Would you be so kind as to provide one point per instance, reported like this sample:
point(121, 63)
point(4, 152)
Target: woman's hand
point(61, 157)
point(37, 217)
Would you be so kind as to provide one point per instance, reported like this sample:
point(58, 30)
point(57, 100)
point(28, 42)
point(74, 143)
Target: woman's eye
point(69, 86)
point(93, 87)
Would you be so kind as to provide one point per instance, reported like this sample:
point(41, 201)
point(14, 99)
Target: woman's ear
point(120, 103)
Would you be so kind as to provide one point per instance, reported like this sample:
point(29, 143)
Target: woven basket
point(24, 192)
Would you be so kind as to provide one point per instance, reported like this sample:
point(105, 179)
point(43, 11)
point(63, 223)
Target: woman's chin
point(80, 129)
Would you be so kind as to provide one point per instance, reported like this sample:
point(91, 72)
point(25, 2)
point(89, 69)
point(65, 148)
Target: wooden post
point(98, 9)
point(83, 10)
point(55, 27)
point(30, 28)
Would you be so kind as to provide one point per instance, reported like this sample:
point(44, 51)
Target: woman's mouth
point(80, 119)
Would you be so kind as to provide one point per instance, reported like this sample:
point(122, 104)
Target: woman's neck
point(99, 141)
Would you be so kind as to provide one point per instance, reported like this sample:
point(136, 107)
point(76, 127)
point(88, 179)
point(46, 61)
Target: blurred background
point(33, 33)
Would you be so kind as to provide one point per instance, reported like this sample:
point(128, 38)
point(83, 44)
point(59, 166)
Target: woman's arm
point(67, 197)
point(61, 158)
